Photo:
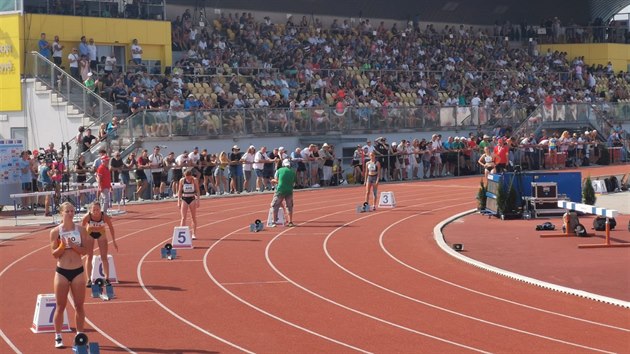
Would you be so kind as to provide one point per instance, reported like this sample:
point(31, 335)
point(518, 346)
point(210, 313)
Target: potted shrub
point(588, 193)
point(481, 197)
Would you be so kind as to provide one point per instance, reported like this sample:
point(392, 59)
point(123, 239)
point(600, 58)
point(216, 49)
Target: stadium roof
point(478, 12)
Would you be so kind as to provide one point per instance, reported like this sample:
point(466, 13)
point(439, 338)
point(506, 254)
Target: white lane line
point(439, 307)
point(178, 260)
point(378, 319)
point(439, 237)
point(257, 282)
point(9, 343)
point(241, 300)
point(115, 302)
point(173, 313)
point(87, 320)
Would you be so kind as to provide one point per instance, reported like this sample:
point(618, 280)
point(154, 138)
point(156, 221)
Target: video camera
point(47, 155)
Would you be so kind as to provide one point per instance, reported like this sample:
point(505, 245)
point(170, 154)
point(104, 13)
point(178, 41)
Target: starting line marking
point(118, 302)
point(178, 260)
point(257, 282)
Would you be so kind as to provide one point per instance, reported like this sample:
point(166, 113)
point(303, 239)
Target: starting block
point(44, 312)
point(365, 207)
point(168, 252)
point(387, 200)
point(99, 289)
point(97, 269)
point(280, 220)
point(83, 346)
point(256, 226)
point(182, 237)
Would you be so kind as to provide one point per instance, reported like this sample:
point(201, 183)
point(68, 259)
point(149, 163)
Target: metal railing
point(315, 120)
point(602, 116)
point(70, 89)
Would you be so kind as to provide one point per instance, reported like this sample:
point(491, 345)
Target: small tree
point(482, 197)
point(588, 193)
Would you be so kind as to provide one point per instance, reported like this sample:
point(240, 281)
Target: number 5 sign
point(181, 237)
point(44, 311)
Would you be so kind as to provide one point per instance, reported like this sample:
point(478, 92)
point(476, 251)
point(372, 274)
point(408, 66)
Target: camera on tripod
point(47, 155)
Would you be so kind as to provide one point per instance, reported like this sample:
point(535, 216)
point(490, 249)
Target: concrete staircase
point(62, 106)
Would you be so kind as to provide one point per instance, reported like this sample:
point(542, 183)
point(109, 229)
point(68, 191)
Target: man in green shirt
point(90, 84)
point(284, 180)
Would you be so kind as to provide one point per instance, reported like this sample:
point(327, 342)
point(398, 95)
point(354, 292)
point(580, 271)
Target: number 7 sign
point(44, 314)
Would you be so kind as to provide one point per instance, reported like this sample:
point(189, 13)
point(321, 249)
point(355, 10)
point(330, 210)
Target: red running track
point(338, 282)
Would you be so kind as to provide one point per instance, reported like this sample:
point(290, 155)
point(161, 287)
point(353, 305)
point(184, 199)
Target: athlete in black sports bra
point(95, 222)
point(189, 193)
point(67, 244)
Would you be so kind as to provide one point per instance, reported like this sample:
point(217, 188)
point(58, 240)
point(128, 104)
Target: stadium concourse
point(340, 281)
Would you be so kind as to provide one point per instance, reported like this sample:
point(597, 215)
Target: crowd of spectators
point(237, 62)
point(236, 172)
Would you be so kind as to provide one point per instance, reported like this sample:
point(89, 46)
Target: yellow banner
point(10, 59)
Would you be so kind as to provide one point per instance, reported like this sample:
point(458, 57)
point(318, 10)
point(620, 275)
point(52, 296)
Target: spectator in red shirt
point(104, 179)
point(502, 153)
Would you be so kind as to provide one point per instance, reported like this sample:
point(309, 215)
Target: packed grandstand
point(238, 75)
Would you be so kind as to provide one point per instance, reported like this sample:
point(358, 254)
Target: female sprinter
point(67, 244)
point(188, 193)
point(488, 161)
point(371, 177)
point(95, 221)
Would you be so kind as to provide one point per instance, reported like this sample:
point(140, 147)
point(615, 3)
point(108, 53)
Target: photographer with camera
point(45, 181)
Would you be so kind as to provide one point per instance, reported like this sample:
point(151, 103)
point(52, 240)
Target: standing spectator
point(220, 173)
point(110, 63)
point(92, 55)
point(181, 161)
point(136, 52)
point(141, 176)
point(88, 140)
point(44, 46)
point(130, 164)
point(247, 160)
point(57, 51)
point(236, 171)
point(325, 154)
point(84, 67)
point(84, 51)
point(116, 165)
point(260, 158)
point(25, 177)
point(73, 62)
point(90, 84)
point(104, 180)
point(284, 179)
point(502, 153)
point(46, 184)
point(156, 161)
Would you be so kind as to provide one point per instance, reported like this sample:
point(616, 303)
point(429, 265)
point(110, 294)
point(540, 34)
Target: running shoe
point(107, 282)
point(194, 237)
point(273, 224)
point(59, 343)
point(89, 284)
point(290, 224)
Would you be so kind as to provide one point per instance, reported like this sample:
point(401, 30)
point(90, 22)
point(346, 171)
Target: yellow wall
point(153, 36)
point(10, 60)
point(617, 54)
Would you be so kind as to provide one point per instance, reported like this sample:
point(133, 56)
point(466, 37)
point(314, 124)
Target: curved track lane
point(339, 282)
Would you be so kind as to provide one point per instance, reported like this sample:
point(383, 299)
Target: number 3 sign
point(181, 237)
